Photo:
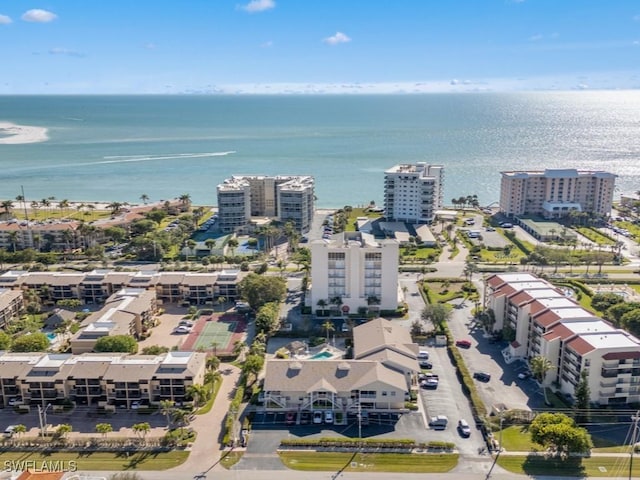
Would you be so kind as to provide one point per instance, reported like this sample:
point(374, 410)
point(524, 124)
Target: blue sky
point(261, 46)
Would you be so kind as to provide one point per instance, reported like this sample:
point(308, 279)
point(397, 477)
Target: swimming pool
point(321, 356)
point(52, 336)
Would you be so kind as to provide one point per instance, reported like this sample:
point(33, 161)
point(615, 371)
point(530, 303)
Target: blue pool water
point(321, 356)
point(52, 336)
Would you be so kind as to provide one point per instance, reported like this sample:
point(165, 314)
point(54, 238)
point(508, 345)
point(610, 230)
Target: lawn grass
point(369, 462)
point(441, 293)
point(229, 459)
point(101, 460)
point(206, 408)
point(572, 467)
point(516, 438)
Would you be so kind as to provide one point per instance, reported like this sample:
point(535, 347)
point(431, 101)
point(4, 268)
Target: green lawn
point(439, 292)
point(382, 462)
point(516, 438)
point(206, 408)
point(101, 460)
point(573, 467)
point(229, 459)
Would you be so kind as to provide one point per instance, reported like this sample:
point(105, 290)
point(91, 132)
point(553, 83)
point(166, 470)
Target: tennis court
point(218, 332)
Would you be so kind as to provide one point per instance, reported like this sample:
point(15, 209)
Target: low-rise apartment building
point(378, 379)
point(105, 380)
point(97, 286)
point(11, 306)
point(546, 321)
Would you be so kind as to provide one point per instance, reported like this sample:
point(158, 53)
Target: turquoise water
point(321, 356)
point(52, 336)
point(116, 148)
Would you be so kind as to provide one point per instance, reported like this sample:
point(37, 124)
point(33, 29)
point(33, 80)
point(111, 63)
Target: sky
point(317, 46)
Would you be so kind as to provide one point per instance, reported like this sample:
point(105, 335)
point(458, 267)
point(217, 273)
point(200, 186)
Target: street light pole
point(42, 417)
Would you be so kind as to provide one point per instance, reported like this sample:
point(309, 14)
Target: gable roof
point(378, 334)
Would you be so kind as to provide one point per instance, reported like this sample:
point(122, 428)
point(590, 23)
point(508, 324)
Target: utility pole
point(634, 435)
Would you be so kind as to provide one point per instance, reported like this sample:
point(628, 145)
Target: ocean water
point(116, 148)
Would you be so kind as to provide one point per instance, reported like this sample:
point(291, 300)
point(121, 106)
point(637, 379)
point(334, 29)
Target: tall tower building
point(413, 192)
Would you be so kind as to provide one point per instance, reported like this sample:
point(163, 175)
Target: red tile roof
point(580, 346)
point(558, 331)
point(546, 318)
point(520, 298)
point(621, 355)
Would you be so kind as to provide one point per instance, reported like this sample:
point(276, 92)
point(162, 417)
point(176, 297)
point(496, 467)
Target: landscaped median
point(371, 455)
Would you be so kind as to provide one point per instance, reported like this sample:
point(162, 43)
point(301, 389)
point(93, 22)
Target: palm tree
point(210, 244)
point(328, 327)
point(233, 244)
point(145, 198)
point(63, 205)
point(540, 366)
point(221, 301)
point(185, 200)
point(35, 205)
point(212, 363)
point(20, 429)
point(13, 238)
point(322, 303)
point(103, 429)
point(166, 408)
point(115, 207)
point(198, 393)
point(141, 429)
point(191, 245)
point(239, 347)
point(64, 430)
point(8, 206)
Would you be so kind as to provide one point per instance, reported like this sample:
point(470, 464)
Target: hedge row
point(369, 442)
point(234, 408)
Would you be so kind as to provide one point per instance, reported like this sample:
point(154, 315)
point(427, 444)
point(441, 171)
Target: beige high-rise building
point(285, 198)
point(413, 192)
point(555, 193)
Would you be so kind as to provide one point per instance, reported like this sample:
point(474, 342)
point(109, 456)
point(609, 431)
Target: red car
point(463, 343)
point(290, 418)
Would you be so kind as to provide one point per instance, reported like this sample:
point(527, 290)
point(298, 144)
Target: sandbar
point(12, 134)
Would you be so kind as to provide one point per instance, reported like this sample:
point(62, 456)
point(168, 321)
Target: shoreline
point(13, 134)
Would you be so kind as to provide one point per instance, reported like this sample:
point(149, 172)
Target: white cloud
point(38, 16)
point(65, 51)
point(267, 44)
point(4, 20)
point(258, 6)
point(339, 37)
point(535, 38)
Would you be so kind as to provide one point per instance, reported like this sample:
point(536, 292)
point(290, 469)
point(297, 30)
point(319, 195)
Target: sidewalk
point(206, 450)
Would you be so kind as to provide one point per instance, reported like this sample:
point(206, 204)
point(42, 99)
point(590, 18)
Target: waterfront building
point(105, 380)
point(546, 321)
point(352, 271)
point(284, 198)
point(554, 193)
point(413, 192)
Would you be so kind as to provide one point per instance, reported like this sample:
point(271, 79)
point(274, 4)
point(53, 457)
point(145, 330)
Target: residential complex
point(283, 198)
point(546, 321)
point(11, 306)
point(413, 192)
point(106, 380)
point(555, 193)
point(98, 285)
point(378, 379)
point(353, 270)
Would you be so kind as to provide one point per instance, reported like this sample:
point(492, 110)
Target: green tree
point(198, 393)
point(116, 343)
point(437, 314)
point(615, 312)
point(64, 430)
point(558, 431)
point(233, 244)
point(5, 340)
point(20, 429)
point(116, 234)
point(258, 290)
point(583, 395)
point(602, 301)
point(630, 321)
point(166, 408)
point(103, 429)
point(540, 366)
point(154, 350)
point(213, 363)
point(252, 365)
point(141, 429)
point(268, 318)
point(328, 327)
point(34, 342)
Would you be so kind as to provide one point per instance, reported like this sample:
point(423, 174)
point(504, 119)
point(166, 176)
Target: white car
point(328, 416)
point(182, 329)
point(135, 405)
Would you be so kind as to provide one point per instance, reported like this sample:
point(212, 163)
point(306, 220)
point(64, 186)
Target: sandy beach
point(12, 134)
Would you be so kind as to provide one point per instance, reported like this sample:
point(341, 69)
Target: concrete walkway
point(206, 450)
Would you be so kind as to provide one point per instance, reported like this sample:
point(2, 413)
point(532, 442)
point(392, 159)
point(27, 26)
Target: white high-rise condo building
point(555, 193)
point(285, 198)
point(413, 192)
point(352, 270)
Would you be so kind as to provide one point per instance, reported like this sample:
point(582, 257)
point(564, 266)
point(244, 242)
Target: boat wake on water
point(150, 158)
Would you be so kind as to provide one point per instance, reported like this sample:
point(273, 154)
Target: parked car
point(426, 364)
point(15, 401)
point(423, 354)
point(305, 418)
point(182, 329)
point(431, 383)
point(290, 418)
point(364, 417)
point(328, 416)
point(317, 417)
point(463, 343)
point(345, 327)
point(439, 422)
point(8, 432)
point(482, 376)
point(524, 375)
point(185, 323)
point(135, 405)
point(463, 428)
